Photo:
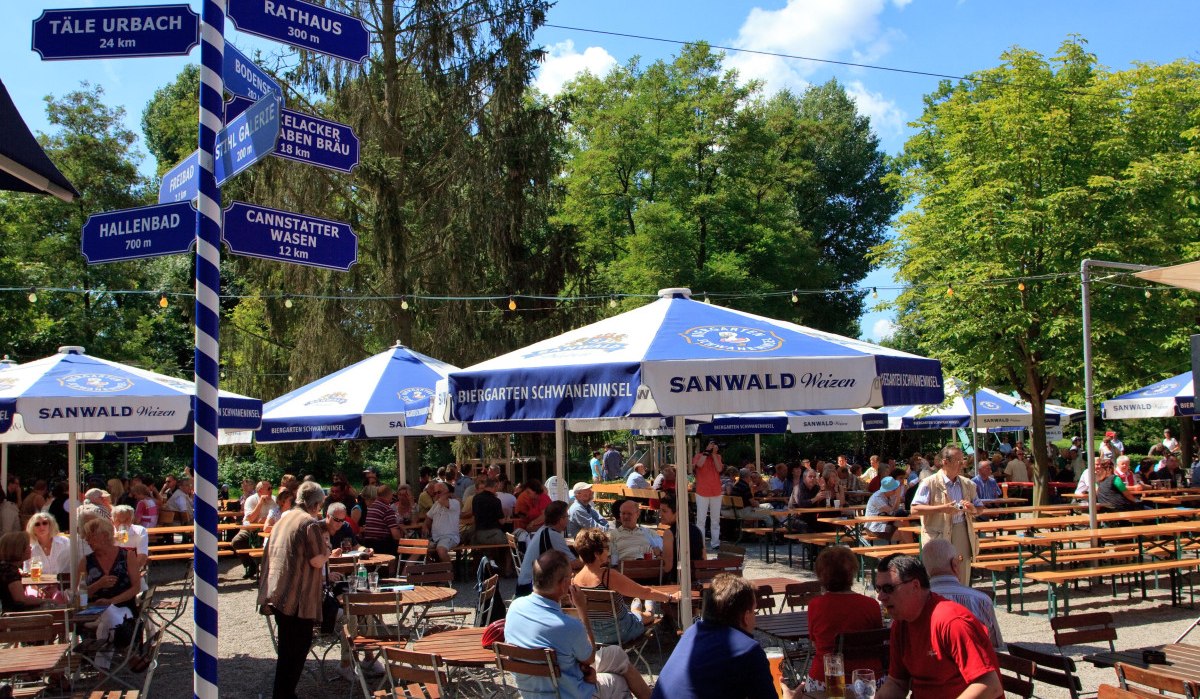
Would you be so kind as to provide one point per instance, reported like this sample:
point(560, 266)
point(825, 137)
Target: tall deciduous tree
point(678, 175)
point(1020, 173)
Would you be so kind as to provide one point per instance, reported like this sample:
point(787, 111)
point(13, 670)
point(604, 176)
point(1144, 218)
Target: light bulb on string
point(287, 303)
point(512, 304)
point(874, 293)
point(403, 304)
point(1020, 286)
point(706, 299)
point(612, 302)
point(795, 296)
point(1148, 294)
point(162, 301)
point(949, 290)
point(32, 295)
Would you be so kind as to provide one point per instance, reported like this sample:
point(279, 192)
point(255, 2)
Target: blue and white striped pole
point(208, 350)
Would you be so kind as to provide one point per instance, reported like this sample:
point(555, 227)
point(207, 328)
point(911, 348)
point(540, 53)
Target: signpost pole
point(208, 302)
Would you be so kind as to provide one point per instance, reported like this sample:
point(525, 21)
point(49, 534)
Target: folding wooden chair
point(532, 662)
point(646, 572)
point(798, 595)
point(1052, 669)
point(1020, 681)
point(601, 607)
point(1077, 629)
point(864, 645)
point(434, 574)
point(483, 607)
point(414, 675)
point(764, 600)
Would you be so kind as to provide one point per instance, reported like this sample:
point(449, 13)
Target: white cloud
point(887, 119)
point(882, 329)
point(563, 62)
point(813, 28)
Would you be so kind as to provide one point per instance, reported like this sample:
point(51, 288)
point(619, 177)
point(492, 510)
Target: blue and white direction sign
point(116, 32)
point(147, 231)
point(243, 77)
point(246, 139)
point(303, 25)
point(307, 139)
point(182, 182)
point(272, 234)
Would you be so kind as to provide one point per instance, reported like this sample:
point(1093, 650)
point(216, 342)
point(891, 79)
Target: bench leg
point(1051, 601)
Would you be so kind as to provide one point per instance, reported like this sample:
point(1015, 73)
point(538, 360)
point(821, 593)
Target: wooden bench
point(606, 494)
point(1055, 578)
point(1007, 564)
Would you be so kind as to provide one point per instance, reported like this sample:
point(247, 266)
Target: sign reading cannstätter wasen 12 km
point(116, 32)
point(182, 182)
point(307, 139)
point(246, 139)
point(304, 26)
point(242, 76)
point(272, 234)
point(147, 231)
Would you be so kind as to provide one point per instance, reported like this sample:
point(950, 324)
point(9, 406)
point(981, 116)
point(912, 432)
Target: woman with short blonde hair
point(50, 548)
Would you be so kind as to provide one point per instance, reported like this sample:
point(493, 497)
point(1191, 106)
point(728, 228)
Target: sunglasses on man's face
point(339, 520)
point(890, 588)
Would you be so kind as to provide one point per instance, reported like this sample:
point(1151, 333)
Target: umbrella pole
point(73, 509)
point(974, 428)
point(560, 450)
point(758, 452)
point(4, 467)
point(683, 546)
point(401, 462)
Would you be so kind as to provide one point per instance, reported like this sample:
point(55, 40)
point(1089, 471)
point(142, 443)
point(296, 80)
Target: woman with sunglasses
point(51, 549)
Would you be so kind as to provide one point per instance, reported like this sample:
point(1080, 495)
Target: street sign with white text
point(246, 139)
point(272, 234)
point(307, 139)
point(147, 231)
point(116, 32)
point(303, 25)
point(243, 76)
point(182, 182)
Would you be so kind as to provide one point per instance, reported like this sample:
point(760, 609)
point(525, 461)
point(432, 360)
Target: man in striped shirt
point(942, 560)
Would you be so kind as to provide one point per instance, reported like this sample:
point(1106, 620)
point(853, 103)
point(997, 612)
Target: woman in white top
point(135, 538)
point(51, 549)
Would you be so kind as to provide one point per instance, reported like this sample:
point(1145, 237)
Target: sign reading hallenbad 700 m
point(272, 234)
point(116, 32)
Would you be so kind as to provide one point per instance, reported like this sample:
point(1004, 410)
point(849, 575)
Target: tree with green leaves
point(678, 175)
point(1016, 175)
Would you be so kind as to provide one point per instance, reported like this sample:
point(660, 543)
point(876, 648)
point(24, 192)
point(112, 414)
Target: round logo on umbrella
point(605, 342)
point(416, 394)
point(1161, 389)
point(990, 405)
point(733, 338)
point(96, 383)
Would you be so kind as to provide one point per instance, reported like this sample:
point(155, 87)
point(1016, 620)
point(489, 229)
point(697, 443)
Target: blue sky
point(936, 36)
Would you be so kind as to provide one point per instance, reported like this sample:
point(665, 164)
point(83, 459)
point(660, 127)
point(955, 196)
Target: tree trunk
point(1187, 428)
point(1039, 472)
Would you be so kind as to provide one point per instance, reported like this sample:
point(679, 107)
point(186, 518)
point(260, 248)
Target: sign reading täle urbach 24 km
point(116, 32)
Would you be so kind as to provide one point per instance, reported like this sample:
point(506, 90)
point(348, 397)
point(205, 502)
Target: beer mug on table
point(864, 684)
point(835, 676)
point(35, 571)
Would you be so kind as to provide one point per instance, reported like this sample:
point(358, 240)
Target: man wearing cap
point(581, 514)
point(883, 503)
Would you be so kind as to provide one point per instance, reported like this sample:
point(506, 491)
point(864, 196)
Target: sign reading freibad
point(304, 26)
point(116, 32)
point(307, 139)
point(147, 231)
point(242, 76)
point(247, 139)
point(271, 234)
point(182, 182)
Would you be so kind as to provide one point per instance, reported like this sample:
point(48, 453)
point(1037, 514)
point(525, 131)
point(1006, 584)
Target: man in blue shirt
point(538, 621)
point(548, 537)
point(637, 477)
point(613, 463)
point(987, 488)
point(597, 468)
point(717, 657)
point(581, 514)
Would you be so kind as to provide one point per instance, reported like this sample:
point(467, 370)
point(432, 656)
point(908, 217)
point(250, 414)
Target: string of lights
point(518, 301)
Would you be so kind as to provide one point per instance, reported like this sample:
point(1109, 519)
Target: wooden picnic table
point(32, 659)
point(1004, 501)
point(188, 529)
point(375, 560)
point(1172, 500)
point(461, 647)
point(778, 585)
point(856, 525)
point(789, 626)
point(1183, 660)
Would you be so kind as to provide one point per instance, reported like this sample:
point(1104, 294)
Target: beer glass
point(864, 684)
point(835, 676)
point(775, 660)
point(35, 571)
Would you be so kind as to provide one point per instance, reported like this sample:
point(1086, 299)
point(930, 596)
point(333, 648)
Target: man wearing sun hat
point(884, 502)
point(581, 514)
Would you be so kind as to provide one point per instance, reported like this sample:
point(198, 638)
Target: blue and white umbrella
point(385, 395)
point(796, 421)
point(677, 356)
point(985, 409)
point(1167, 398)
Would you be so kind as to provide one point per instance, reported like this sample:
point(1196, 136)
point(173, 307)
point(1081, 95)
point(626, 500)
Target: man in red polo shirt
point(939, 649)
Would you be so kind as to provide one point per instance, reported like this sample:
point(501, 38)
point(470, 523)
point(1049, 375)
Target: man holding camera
point(946, 503)
point(707, 467)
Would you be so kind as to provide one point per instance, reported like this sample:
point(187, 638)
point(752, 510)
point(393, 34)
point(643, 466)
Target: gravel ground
point(247, 660)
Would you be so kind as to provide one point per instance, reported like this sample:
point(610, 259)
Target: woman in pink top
point(146, 512)
point(707, 468)
point(838, 610)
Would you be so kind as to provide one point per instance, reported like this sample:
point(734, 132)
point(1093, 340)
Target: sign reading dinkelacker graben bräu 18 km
point(308, 139)
point(115, 32)
point(289, 237)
